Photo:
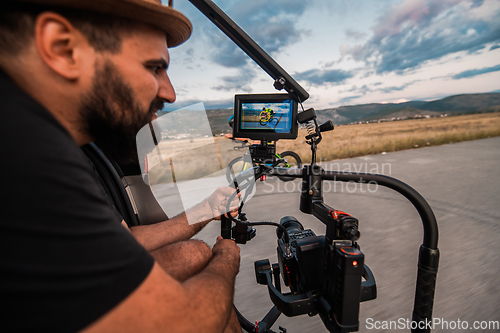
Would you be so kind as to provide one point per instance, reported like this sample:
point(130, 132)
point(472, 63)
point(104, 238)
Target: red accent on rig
point(335, 213)
point(256, 326)
point(262, 178)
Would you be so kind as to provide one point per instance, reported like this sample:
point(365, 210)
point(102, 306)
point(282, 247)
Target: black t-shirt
point(65, 260)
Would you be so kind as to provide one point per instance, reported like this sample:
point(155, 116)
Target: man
point(72, 72)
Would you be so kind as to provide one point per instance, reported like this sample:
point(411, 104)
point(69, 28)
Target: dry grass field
point(365, 139)
point(187, 159)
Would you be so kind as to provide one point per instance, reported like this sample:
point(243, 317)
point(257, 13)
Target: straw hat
point(176, 26)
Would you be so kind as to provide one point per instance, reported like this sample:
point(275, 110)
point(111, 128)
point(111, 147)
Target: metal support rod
point(249, 46)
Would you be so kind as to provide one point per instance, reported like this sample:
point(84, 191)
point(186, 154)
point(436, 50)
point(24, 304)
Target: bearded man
point(73, 72)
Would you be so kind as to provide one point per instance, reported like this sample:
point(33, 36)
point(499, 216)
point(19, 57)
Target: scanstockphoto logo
point(431, 324)
point(364, 185)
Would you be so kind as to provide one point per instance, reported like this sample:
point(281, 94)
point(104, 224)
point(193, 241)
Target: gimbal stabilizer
point(340, 317)
point(325, 273)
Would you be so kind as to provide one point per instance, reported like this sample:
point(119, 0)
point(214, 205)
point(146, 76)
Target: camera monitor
point(267, 117)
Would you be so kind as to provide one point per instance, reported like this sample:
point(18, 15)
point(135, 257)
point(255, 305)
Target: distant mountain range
point(458, 104)
point(453, 105)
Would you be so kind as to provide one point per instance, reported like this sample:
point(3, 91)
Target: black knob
point(328, 126)
point(279, 84)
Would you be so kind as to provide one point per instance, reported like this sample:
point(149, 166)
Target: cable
point(228, 209)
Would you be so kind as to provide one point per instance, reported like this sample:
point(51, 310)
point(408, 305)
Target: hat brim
point(177, 27)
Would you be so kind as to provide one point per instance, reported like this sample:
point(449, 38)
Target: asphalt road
point(460, 183)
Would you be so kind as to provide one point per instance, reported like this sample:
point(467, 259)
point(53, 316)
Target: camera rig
point(324, 273)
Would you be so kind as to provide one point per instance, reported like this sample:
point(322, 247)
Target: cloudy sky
point(343, 52)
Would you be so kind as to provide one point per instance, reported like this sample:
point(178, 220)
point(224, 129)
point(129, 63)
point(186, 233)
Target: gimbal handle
point(294, 305)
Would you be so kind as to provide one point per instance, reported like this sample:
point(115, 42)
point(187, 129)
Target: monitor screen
point(275, 117)
point(270, 116)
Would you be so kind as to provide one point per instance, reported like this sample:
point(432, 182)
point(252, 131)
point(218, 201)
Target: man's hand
point(218, 200)
point(227, 249)
point(188, 224)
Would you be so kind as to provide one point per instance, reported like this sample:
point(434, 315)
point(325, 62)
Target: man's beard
point(112, 116)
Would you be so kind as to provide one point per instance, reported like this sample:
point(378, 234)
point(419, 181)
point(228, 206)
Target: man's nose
point(165, 89)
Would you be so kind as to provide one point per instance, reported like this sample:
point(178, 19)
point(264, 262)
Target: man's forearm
point(155, 236)
point(188, 224)
point(180, 228)
point(215, 288)
point(202, 303)
point(210, 284)
point(183, 260)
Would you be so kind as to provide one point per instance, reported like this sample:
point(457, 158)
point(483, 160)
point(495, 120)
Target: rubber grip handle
point(424, 293)
point(225, 227)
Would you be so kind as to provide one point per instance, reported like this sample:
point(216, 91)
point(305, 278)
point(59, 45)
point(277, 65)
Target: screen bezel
point(266, 135)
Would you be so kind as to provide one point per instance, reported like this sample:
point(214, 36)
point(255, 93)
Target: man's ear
point(59, 44)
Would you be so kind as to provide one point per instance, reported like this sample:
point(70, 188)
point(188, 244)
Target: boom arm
point(250, 47)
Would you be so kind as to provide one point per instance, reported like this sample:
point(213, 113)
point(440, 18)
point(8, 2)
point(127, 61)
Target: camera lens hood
point(291, 224)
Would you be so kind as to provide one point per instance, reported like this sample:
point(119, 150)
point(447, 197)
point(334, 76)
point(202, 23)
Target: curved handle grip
point(368, 287)
point(424, 293)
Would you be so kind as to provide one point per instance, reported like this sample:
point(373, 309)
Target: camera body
point(331, 266)
point(303, 269)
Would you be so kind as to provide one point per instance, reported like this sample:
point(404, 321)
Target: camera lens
point(349, 227)
point(351, 233)
point(291, 224)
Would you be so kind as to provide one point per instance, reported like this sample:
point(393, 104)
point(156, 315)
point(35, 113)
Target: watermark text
point(434, 324)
